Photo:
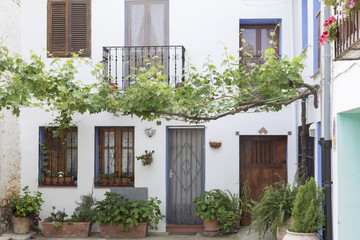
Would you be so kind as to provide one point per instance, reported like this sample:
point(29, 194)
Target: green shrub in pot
point(273, 209)
point(307, 212)
point(209, 204)
point(118, 210)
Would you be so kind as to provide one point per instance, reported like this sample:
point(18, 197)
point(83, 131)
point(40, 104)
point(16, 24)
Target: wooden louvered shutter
point(57, 29)
point(69, 27)
point(79, 27)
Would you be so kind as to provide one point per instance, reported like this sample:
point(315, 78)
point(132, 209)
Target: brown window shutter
point(79, 26)
point(57, 29)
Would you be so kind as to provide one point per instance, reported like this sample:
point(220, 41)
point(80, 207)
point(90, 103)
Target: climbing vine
point(207, 94)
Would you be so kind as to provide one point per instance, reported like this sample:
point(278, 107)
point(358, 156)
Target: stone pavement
point(243, 234)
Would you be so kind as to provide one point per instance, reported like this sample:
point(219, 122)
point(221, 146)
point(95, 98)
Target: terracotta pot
point(210, 225)
point(21, 225)
point(300, 236)
point(55, 180)
point(245, 220)
point(139, 231)
point(77, 229)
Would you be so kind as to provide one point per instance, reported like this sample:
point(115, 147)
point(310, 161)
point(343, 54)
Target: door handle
point(171, 173)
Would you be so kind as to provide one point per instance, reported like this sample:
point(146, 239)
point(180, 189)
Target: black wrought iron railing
point(120, 62)
point(348, 36)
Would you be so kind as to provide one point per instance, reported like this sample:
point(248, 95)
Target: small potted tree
point(119, 217)
point(307, 212)
point(79, 225)
point(24, 209)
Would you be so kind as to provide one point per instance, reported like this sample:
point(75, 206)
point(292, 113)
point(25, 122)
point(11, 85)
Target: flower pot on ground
point(129, 219)
point(211, 225)
point(138, 231)
point(307, 212)
point(300, 236)
point(79, 225)
point(25, 209)
point(21, 225)
point(67, 229)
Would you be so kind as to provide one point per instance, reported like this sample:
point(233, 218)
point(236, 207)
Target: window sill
point(57, 186)
point(113, 186)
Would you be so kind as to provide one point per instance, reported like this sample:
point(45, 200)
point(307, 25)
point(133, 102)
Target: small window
point(114, 165)
point(256, 38)
point(58, 157)
point(69, 27)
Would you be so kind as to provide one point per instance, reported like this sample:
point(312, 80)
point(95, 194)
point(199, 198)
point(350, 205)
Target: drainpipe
point(325, 142)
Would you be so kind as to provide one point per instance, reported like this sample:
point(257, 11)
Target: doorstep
point(13, 236)
point(184, 228)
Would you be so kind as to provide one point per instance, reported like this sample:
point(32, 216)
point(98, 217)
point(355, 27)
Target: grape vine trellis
point(206, 95)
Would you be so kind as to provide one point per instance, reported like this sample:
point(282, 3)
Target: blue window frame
point(58, 157)
point(316, 33)
point(265, 22)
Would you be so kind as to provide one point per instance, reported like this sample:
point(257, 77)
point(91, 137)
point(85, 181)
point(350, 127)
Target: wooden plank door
point(262, 161)
point(185, 174)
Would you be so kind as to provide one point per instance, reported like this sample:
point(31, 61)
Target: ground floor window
point(114, 156)
point(58, 157)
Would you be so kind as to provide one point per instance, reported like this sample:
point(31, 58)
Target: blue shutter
point(96, 153)
point(41, 157)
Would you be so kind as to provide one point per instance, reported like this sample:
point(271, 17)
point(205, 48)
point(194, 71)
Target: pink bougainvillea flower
point(326, 34)
point(352, 4)
point(48, 171)
point(331, 20)
point(326, 23)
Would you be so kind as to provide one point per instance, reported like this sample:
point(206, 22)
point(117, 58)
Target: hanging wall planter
point(214, 144)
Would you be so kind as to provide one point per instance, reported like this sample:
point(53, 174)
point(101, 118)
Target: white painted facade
point(10, 154)
point(203, 27)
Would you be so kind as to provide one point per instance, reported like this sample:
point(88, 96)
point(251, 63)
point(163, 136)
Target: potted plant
point(24, 209)
point(209, 205)
point(58, 177)
point(79, 225)
point(307, 212)
point(119, 217)
point(245, 196)
point(229, 219)
point(273, 211)
point(146, 158)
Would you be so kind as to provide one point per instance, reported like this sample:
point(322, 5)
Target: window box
point(56, 180)
point(76, 229)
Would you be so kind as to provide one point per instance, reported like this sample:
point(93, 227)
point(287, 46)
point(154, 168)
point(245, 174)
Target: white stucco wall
point(345, 97)
point(204, 27)
point(9, 125)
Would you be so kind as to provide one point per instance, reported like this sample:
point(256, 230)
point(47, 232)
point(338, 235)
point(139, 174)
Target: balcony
point(347, 44)
point(120, 62)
